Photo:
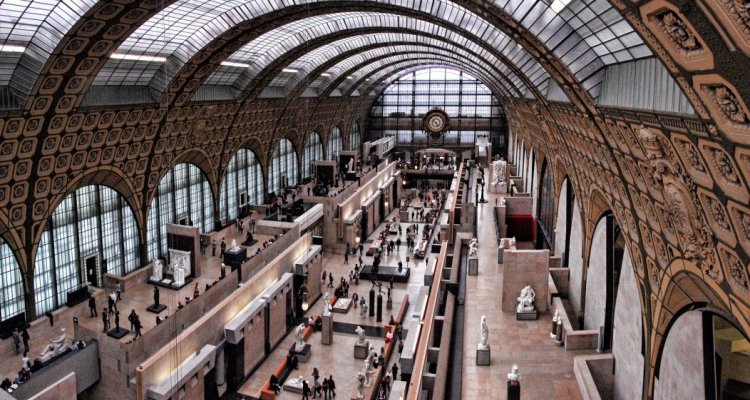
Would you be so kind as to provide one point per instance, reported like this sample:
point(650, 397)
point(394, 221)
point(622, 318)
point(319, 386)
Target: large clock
point(435, 122)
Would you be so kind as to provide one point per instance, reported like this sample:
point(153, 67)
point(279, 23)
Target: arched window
point(283, 165)
point(313, 152)
point(334, 143)
point(11, 284)
point(92, 232)
point(244, 176)
point(183, 197)
point(355, 138)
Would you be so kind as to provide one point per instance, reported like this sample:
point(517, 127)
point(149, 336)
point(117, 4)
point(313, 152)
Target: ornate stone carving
point(677, 31)
point(735, 271)
point(727, 102)
point(681, 204)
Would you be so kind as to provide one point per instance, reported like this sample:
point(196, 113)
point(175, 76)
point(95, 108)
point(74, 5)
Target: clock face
point(435, 121)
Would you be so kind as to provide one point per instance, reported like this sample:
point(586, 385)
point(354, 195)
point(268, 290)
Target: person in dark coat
point(105, 320)
point(25, 337)
point(331, 386)
point(305, 391)
point(92, 306)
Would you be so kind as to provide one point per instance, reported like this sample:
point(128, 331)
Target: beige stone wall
point(560, 224)
point(681, 371)
point(596, 279)
point(575, 261)
point(254, 342)
point(64, 389)
point(627, 335)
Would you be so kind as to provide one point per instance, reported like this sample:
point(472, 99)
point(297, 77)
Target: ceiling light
point(138, 57)
point(349, 77)
point(326, 74)
point(9, 48)
point(558, 5)
point(293, 71)
point(235, 64)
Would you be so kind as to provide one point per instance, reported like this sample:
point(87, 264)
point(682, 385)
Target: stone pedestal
point(473, 265)
point(360, 351)
point(304, 355)
point(514, 390)
point(483, 357)
point(526, 315)
point(327, 331)
point(156, 308)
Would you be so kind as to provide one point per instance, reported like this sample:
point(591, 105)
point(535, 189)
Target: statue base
point(389, 304)
point(304, 355)
point(327, 330)
point(361, 350)
point(526, 315)
point(473, 265)
point(483, 357)
point(514, 390)
point(117, 333)
point(156, 308)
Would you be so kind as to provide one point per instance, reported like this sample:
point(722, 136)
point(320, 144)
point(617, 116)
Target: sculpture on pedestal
point(513, 375)
point(526, 300)
point(234, 247)
point(498, 180)
point(350, 165)
point(300, 343)
point(326, 304)
point(156, 274)
point(555, 320)
point(368, 366)
point(360, 385)
point(55, 347)
point(373, 356)
point(361, 340)
point(473, 247)
point(483, 343)
point(156, 295)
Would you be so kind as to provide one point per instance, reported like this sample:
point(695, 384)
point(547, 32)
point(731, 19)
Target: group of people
point(326, 389)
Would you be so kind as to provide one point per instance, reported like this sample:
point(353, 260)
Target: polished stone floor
point(546, 369)
point(338, 358)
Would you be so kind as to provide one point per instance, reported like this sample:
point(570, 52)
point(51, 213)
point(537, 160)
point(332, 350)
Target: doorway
point(90, 267)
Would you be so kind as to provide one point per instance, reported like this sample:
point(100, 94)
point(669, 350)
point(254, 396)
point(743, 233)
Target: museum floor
point(546, 369)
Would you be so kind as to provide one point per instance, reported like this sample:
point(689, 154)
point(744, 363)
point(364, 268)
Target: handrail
point(428, 320)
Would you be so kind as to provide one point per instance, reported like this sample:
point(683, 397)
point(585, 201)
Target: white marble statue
point(361, 340)
point(299, 345)
point(368, 370)
point(326, 304)
point(473, 247)
point(555, 321)
point(484, 344)
point(513, 375)
point(157, 273)
point(556, 317)
point(350, 165)
point(55, 347)
point(526, 300)
point(502, 202)
point(360, 385)
point(234, 247)
point(179, 274)
point(297, 382)
point(372, 357)
point(512, 242)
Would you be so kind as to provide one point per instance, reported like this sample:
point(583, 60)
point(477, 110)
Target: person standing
point(213, 248)
point(394, 371)
point(330, 280)
point(223, 247)
point(131, 319)
point(203, 245)
point(325, 388)
point(137, 325)
point(25, 337)
point(346, 258)
point(316, 382)
point(331, 386)
point(16, 341)
point(305, 390)
point(223, 271)
point(92, 306)
point(111, 302)
point(252, 224)
point(105, 320)
point(118, 289)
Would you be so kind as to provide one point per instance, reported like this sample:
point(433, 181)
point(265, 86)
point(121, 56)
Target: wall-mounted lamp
point(304, 295)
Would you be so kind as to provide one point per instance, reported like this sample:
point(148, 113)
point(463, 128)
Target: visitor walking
point(16, 341)
point(331, 386)
point(213, 248)
point(92, 306)
point(105, 320)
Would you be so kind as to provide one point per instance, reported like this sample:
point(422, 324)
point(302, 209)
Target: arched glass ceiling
point(371, 74)
point(273, 44)
point(179, 50)
point(348, 67)
point(343, 66)
point(584, 34)
point(29, 33)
